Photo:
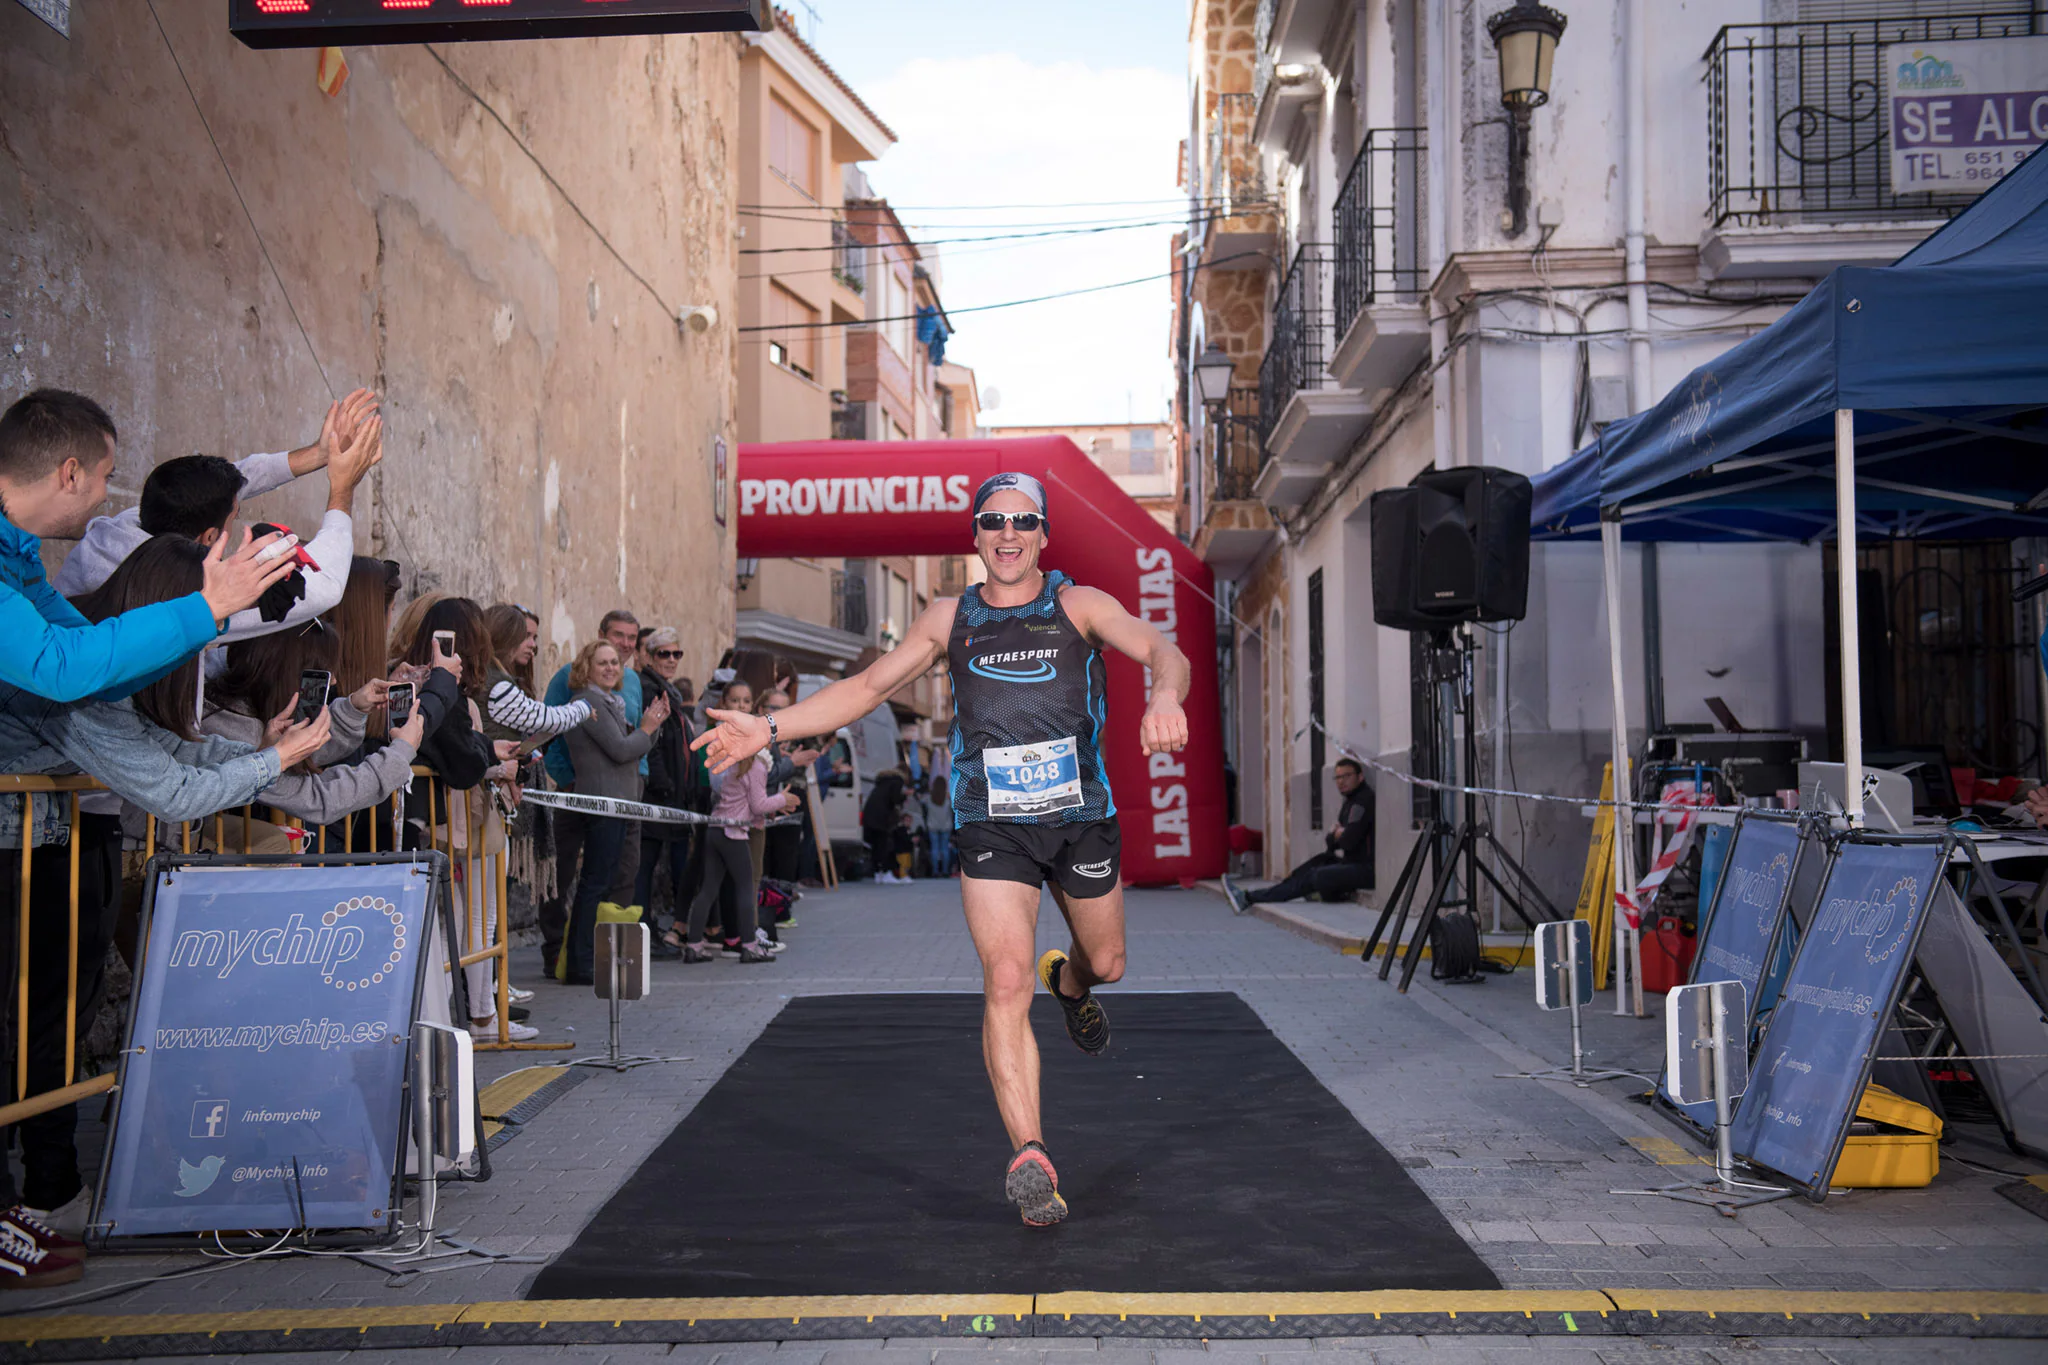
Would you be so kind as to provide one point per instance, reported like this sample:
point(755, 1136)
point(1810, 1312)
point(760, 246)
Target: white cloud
point(997, 129)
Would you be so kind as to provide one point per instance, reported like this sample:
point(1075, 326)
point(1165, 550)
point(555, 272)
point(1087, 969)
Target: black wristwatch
point(774, 731)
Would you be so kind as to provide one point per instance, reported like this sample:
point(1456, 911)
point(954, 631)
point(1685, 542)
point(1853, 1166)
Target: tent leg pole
point(1845, 585)
point(1627, 960)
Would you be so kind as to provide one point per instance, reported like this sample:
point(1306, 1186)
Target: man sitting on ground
point(1346, 864)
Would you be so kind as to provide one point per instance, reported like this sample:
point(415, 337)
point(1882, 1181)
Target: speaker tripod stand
point(1459, 854)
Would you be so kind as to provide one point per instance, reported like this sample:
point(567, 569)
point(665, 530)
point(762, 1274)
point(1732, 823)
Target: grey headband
point(1022, 483)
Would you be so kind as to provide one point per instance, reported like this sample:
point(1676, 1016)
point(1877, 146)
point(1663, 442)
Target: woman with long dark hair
point(460, 755)
point(261, 683)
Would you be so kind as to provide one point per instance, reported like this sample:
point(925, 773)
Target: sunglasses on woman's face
point(994, 521)
point(666, 653)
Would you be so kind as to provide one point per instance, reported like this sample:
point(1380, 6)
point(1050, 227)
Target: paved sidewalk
point(1522, 1168)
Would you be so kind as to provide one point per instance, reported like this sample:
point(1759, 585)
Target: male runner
point(1031, 801)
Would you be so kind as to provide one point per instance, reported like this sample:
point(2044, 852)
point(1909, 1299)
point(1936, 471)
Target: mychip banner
point(264, 1083)
point(1844, 983)
point(1745, 935)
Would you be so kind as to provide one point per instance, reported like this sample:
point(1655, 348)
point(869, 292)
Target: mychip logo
point(341, 946)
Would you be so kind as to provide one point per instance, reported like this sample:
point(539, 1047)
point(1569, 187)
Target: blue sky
point(1041, 104)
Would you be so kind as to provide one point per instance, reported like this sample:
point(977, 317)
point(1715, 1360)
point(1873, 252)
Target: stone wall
point(549, 430)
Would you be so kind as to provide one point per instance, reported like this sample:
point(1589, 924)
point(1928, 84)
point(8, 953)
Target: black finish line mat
point(855, 1149)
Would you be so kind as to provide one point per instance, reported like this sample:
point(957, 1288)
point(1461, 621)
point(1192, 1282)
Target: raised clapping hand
point(738, 735)
point(234, 582)
point(1164, 730)
point(657, 711)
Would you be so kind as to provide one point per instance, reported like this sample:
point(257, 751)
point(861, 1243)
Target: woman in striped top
point(510, 710)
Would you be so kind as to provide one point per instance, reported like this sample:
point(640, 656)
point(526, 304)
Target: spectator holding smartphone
point(259, 691)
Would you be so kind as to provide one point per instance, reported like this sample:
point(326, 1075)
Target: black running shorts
point(1082, 859)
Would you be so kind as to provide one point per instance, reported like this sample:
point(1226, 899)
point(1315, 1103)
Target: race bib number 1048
point(1026, 781)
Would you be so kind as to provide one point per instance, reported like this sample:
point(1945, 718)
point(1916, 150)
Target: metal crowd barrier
point(475, 867)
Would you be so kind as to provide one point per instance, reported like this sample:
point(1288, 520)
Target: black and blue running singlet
point(1029, 703)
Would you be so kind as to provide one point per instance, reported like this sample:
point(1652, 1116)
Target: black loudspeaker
point(1453, 546)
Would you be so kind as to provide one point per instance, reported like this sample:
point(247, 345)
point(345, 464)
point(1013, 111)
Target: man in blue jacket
point(56, 451)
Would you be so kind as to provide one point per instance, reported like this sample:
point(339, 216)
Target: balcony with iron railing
point(850, 601)
point(1306, 419)
point(1379, 264)
point(849, 258)
point(1800, 164)
point(1235, 218)
point(1235, 527)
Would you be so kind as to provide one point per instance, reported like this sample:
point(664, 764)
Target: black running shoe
point(1034, 1186)
point(1087, 1025)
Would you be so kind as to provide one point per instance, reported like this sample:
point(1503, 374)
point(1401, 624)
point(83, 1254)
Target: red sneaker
point(19, 1224)
point(1034, 1186)
point(24, 1265)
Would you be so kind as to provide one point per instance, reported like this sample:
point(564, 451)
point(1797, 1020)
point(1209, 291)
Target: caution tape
point(617, 809)
point(1684, 800)
point(1432, 784)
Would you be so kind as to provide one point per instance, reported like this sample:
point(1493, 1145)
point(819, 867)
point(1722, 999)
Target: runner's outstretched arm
point(1103, 618)
point(739, 734)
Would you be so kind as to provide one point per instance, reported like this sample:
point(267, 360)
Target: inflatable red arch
point(863, 498)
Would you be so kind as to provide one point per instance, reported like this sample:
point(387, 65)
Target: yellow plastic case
point(1903, 1154)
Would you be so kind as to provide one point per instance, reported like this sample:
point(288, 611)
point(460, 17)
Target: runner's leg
point(1096, 957)
point(1003, 918)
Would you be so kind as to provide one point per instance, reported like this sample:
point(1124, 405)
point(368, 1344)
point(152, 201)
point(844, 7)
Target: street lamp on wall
point(1213, 373)
point(1525, 37)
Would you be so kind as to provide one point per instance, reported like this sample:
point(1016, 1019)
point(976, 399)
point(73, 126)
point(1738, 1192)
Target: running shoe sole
point(1087, 1025)
point(1034, 1187)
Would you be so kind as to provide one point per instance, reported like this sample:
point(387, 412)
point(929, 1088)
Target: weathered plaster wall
point(549, 432)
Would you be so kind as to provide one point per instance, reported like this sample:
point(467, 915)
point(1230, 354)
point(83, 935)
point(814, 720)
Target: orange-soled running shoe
point(1034, 1186)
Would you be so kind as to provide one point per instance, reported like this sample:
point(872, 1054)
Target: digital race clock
point(322, 23)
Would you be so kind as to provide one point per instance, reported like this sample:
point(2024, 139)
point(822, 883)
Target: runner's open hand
point(1164, 730)
point(739, 735)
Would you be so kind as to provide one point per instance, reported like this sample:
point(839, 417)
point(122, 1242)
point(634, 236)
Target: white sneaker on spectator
point(487, 1031)
point(767, 944)
point(517, 996)
point(68, 1217)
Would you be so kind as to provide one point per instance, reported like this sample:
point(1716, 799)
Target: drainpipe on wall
point(1436, 52)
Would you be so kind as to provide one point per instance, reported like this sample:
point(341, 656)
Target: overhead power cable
point(969, 225)
point(1011, 303)
point(993, 237)
point(976, 208)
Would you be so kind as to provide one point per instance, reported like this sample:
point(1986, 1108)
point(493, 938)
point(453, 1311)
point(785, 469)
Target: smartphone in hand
point(446, 639)
point(399, 703)
point(315, 686)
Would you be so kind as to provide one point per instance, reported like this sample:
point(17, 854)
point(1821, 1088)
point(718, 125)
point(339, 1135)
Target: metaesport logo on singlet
point(1016, 665)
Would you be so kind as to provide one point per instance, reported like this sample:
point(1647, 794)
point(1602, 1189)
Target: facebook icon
point(210, 1119)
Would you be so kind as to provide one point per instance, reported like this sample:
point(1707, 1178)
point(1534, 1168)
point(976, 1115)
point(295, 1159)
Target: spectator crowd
point(259, 693)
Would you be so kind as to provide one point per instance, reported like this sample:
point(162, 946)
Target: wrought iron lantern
point(1525, 37)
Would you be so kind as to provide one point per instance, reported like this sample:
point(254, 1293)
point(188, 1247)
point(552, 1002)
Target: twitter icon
point(196, 1180)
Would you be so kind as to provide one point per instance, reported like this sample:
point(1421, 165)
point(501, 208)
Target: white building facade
point(1698, 165)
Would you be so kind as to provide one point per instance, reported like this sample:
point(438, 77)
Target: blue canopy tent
point(1910, 399)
